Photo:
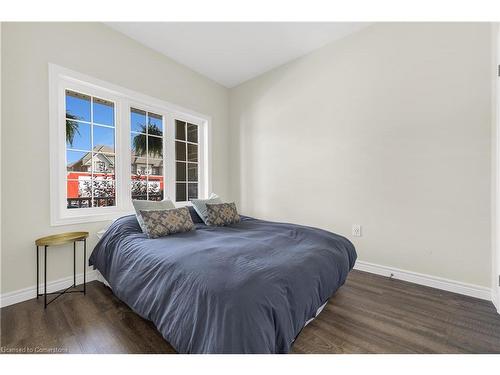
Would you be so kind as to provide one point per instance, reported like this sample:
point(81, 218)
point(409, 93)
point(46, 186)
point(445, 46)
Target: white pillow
point(139, 206)
point(200, 205)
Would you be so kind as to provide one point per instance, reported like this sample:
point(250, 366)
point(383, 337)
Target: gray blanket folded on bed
point(244, 288)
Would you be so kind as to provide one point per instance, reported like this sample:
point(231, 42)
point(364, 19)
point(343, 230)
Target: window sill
point(89, 218)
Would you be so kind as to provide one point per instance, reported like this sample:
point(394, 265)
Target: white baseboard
point(410, 276)
point(427, 280)
point(21, 295)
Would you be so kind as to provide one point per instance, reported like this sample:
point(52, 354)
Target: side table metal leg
point(37, 274)
point(45, 277)
point(84, 265)
point(74, 264)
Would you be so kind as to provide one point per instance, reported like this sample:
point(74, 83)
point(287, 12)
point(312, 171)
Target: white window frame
point(61, 79)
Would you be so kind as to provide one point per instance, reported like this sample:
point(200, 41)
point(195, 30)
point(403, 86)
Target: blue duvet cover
point(244, 288)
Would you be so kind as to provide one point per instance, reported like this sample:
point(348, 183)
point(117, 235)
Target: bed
point(245, 288)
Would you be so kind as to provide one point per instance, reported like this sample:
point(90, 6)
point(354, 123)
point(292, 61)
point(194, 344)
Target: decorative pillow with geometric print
point(160, 223)
point(220, 214)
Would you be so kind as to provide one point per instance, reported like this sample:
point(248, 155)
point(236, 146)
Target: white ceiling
point(231, 53)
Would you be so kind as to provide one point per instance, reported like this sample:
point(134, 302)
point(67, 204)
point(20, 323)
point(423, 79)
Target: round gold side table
point(60, 239)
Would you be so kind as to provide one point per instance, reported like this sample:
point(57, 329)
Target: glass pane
point(104, 187)
point(192, 133)
point(78, 193)
point(139, 166)
point(155, 124)
point(139, 188)
point(180, 130)
point(192, 152)
point(155, 147)
point(104, 112)
point(77, 106)
point(155, 189)
point(104, 139)
point(137, 120)
point(104, 201)
point(104, 165)
point(156, 168)
point(155, 186)
point(180, 151)
point(180, 174)
point(192, 172)
point(104, 192)
point(180, 192)
point(138, 144)
point(192, 191)
point(78, 164)
point(85, 187)
point(78, 135)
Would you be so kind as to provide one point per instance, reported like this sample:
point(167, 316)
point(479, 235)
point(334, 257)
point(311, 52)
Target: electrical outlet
point(356, 230)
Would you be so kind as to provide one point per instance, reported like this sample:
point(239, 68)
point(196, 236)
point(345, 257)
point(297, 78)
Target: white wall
point(495, 165)
point(0, 150)
point(388, 128)
point(101, 52)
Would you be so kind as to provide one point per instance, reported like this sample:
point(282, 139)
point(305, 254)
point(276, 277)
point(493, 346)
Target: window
point(109, 145)
point(186, 161)
point(146, 142)
point(90, 151)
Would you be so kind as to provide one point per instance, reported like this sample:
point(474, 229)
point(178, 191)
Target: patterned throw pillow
point(165, 204)
point(222, 214)
point(200, 205)
point(159, 223)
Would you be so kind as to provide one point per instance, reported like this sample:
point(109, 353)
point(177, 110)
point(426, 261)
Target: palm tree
point(71, 128)
point(155, 145)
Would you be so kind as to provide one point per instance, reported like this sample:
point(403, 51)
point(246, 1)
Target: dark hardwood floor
point(369, 314)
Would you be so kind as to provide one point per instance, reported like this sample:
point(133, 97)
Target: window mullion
point(147, 155)
point(91, 151)
point(124, 156)
point(169, 156)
